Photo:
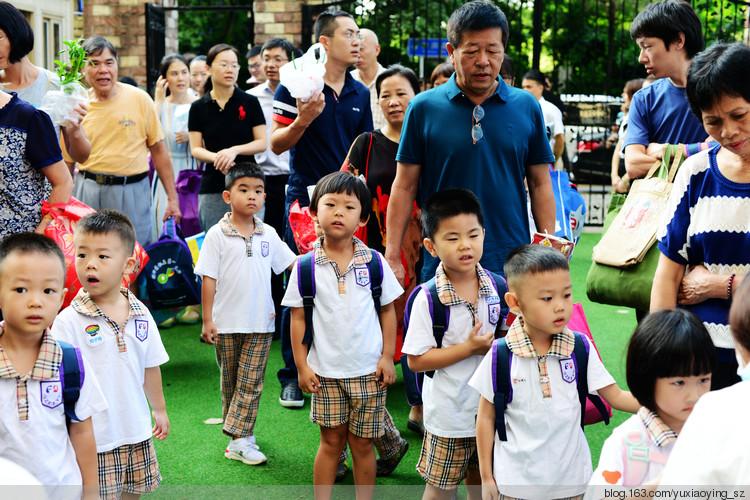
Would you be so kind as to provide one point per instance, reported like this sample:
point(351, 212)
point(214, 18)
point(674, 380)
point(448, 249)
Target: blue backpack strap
point(501, 364)
point(581, 354)
point(376, 279)
point(71, 377)
point(306, 284)
point(439, 313)
point(501, 287)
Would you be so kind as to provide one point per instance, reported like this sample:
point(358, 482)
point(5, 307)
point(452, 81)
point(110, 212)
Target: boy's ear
point(430, 246)
point(363, 223)
point(129, 265)
point(225, 195)
point(512, 300)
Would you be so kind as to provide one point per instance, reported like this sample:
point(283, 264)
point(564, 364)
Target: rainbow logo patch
point(92, 329)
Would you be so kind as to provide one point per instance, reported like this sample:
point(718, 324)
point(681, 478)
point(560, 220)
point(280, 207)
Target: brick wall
point(278, 18)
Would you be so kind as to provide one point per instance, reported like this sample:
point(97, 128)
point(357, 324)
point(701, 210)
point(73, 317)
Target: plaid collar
point(520, 344)
point(658, 431)
point(447, 294)
point(228, 229)
point(362, 254)
point(47, 363)
point(83, 304)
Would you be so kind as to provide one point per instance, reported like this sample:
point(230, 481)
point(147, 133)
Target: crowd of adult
point(375, 122)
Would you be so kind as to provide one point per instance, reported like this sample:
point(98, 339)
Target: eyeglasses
point(476, 130)
point(350, 35)
point(225, 66)
point(278, 60)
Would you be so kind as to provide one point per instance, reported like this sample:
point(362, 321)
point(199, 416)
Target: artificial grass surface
point(193, 454)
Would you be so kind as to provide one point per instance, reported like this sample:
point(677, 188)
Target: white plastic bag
point(304, 76)
point(59, 104)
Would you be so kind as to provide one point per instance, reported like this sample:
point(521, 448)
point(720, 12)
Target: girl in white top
point(670, 360)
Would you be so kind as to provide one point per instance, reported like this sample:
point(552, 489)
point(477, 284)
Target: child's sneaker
point(245, 450)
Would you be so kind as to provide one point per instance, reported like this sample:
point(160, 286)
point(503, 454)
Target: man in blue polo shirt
point(319, 133)
point(477, 133)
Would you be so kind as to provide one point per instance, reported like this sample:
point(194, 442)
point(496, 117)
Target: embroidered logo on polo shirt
point(51, 393)
point(242, 113)
point(568, 368)
point(141, 329)
point(356, 109)
point(265, 248)
point(493, 308)
point(363, 276)
point(519, 380)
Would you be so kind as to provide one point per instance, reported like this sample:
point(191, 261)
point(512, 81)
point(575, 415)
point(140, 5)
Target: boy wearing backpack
point(235, 261)
point(347, 320)
point(118, 336)
point(33, 428)
point(536, 432)
point(454, 229)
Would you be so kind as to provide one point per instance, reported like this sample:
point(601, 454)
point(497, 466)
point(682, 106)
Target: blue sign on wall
point(427, 47)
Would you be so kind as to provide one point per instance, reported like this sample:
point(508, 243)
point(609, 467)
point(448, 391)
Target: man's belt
point(113, 180)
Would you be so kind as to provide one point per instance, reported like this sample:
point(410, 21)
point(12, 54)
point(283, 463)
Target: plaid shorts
point(443, 462)
point(358, 401)
point(130, 468)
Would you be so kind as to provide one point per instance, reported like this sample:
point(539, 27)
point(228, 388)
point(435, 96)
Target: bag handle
point(671, 160)
point(676, 162)
point(54, 210)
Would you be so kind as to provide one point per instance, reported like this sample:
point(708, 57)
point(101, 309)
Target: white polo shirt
point(546, 455)
point(119, 358)
point(347, 338)
point(553, 121)
point(242, 270)
point(450, 405)
point(40, 443)
point(270, 162)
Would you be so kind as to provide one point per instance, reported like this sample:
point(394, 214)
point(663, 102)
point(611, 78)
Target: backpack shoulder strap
point(501, 287)
point(375, 267)
point(71, 377)
point(439, 314)
point(306, 284)
point(501, 364)
point(581, 354)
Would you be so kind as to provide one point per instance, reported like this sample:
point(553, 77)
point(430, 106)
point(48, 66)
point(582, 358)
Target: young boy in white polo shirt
point(546, 454)
point(236, 260)
point(453, 225)
point(350, 359)
point(32, 420)
point(118, 336)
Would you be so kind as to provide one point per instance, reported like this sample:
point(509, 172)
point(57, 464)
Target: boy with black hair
point(669, 35)
point(236, 260)
point(350, 359)
point(545, 444)
point(454, 229)
point(117, 334)
point(33, 422)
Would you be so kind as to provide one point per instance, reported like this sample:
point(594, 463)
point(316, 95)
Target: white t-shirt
point(450, 405)
point(553, 121)
point(41, 444)
point(611, 471)
point(243, 302)
point(546, 455)
point(714, 445)
point(347, 338)
point(121, 374)
point(270, 162)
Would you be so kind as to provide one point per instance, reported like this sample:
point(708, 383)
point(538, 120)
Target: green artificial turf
point(193, 454)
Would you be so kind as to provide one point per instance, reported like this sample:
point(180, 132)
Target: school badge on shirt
point(51, 393)
point(568, 367)
point(265, 248)
point(141, 329)
point(94, 337)
point(363, 276)
point(493, 308)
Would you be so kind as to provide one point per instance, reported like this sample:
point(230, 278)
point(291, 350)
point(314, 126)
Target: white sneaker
point(245, 450)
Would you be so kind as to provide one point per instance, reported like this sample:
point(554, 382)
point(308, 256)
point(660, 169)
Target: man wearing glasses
point(123, 127)
point(475, 132)
point(319, 133)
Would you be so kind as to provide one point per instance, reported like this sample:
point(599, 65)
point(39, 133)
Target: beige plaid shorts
point(358, 401)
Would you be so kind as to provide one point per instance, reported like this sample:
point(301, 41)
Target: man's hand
point(76, 116)
point(656, 150)
point(172, 209)
point(386, 372)
point(398, 269)
point(310, 110)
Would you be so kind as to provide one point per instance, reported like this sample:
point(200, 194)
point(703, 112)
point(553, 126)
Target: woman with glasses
point(373, 155)
point(226, 127)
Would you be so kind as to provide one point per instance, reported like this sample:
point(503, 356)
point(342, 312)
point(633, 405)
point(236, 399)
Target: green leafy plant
point(70, 72)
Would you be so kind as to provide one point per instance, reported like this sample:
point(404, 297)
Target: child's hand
point(208, 333)
point(308, 381)
point(386, 372)
point(489, 490)
point(479, 343)
point(161, 424)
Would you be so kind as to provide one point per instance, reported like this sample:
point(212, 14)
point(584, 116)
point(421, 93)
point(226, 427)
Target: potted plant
point(59, 103)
